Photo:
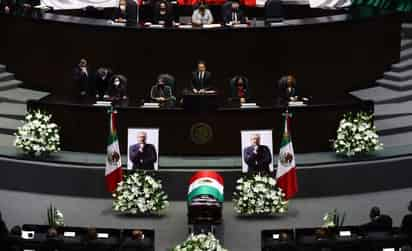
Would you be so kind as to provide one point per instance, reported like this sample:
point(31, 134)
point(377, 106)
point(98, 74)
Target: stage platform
point(320, 174)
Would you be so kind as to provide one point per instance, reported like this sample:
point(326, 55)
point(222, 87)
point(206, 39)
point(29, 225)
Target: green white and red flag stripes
point(206, 183)
point(286, 171)
point(113, 170)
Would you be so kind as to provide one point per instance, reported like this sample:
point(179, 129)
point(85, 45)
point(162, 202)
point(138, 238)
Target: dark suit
point(199, 82)
point(167, 18)
point(257, 162)
point(81, 79)
point(158, 91)
point(406, 225)
point(380, 223)
point(102, 81)
point(130, 14)
point(145, 159)
point(232, 16)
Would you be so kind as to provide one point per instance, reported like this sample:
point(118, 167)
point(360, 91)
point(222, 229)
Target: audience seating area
point(43, 237)
point(351, 238)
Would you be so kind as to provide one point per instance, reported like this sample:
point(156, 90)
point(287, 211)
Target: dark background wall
point(327, 58)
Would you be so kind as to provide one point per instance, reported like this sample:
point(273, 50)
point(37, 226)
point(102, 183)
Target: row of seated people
point(375, 235)
point(48, 238)
point(161, 12)
point(232, 13)
point(106, 85)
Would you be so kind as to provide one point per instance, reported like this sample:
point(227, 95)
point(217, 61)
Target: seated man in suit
point(142, 154)
point(379, 222)
point(239, 88)
point(118, 88)
point(202, 15)
point(406, 225)
point(162, 93)
point(287, 88)
point(234, 14)
point(82, 77)
point(257, 156)
point(201, 78)
point(163, 13)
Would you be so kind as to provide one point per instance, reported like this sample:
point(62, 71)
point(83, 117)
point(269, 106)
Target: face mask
point(116, 82)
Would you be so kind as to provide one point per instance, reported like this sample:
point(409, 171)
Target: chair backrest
point(273, 11)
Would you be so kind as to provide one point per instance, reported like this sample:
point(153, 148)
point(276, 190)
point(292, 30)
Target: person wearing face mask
point(202, 16)
point(81, 77)
point(234, 14)
point(118, 87)
point(163, 13)
point(162, 93)
point(103, 77)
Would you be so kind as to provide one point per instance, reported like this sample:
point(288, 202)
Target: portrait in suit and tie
point(143, 149)
point(257, 151)
point(201, 78)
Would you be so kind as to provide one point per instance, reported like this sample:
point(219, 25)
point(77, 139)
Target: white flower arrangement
point(259, 195)
point(140, 193)
point(356, 134)
point(55, 217)
point(200, 242)
point(38, 135)
point(333, 219)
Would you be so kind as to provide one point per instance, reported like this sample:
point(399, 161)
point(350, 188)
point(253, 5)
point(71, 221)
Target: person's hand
point(124, 97)
point(195, 90)
point(255, 150)
point(202, 91)
point(242, 100)
point(141, 148)
point(162, 99)
point(7, 10)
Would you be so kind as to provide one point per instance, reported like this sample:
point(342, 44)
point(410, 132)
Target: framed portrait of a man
point(257, 151)
point(143, 149)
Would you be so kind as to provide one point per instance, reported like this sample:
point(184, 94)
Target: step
point(21, 95)
point(13, 110)
point(398, 76)
point(395, 85)
point(384, 111)
point(394, 125)
point(10, 84)
point(5, 76)
point(406, 54)
point(402, 66)
point(6, 140)
point(9, 126)
point(2, 68)
point(406, 44)
point(382, 95)
point(407, 30)
point(399, 139)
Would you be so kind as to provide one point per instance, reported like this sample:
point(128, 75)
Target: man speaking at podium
point(142, 155)
point(201, 79)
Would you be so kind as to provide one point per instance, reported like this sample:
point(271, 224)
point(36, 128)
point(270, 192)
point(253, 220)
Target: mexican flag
point(113, 159)
point(286, 171)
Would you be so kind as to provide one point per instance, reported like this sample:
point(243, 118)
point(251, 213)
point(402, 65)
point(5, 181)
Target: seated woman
point(162, 93)
point(127, 12)
point(202, 16)
point(120, 13)
point(239, 88)
point(118, 87)
point(163, 13)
